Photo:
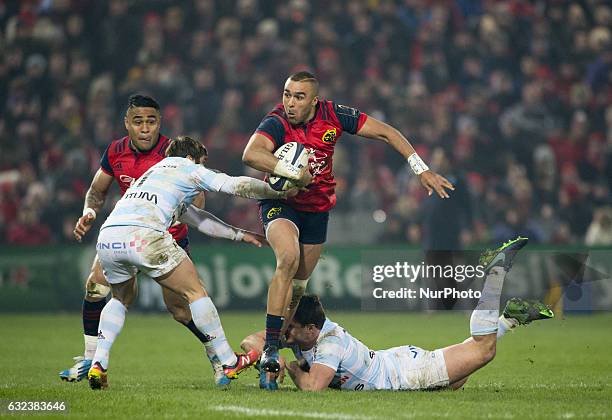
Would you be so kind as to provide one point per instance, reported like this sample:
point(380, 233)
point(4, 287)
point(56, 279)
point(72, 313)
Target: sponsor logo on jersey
point(273, 212)
point(329, 136)
point(143, 195)
point(126, 179)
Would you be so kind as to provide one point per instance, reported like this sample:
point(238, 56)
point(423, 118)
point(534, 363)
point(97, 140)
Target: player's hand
point(83, 225)
point(281, 373)
point(291, 192)
point(434, 182)
point(254, 238)
point(293, 367)
point(305, 177)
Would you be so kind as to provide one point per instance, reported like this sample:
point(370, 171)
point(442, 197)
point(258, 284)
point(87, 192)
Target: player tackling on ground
point(135, 238)
point(331, 357)
point(124, 161)
point(297, 228)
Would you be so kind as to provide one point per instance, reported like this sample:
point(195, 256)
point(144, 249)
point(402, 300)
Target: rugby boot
point(526, 311)
point(98, 377)
point(245, 361)
point(502, 256)
point(78, 371)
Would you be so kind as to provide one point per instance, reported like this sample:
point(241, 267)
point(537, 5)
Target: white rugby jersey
point(357, 367)
point(158, 198)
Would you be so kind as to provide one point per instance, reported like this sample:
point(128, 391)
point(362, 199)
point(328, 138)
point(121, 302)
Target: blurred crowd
point(511, 99)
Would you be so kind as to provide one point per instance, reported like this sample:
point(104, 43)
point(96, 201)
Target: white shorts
point(124, 250)
point(420, 369)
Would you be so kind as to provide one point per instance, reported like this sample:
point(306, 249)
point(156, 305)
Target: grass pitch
point(551, 369)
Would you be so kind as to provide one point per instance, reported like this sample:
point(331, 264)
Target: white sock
point(111, 323)
point(504, 325)
point(206, 318)
point(485, 315)
point(91, 342)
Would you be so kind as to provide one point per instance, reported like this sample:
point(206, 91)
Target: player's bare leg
point(96, 291)
point(184, 281)
point(179, 308)
point(309, 256)
point(283, 238)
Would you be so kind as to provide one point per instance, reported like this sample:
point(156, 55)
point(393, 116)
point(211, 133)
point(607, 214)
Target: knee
point(287, 262)
point(487, 351)
point(96, 289)
point(459, 384)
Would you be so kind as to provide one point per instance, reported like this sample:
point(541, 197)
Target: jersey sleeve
point(351, 119)
point(105, 163)
point(208, 180)
point(272, 129)
point(329, 352)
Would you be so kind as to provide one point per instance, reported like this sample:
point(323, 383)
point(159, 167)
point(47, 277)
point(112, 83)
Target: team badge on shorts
point(162, 259)
point(329, 136)
point(273, 212)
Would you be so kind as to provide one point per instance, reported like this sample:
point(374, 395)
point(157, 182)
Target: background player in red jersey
point(125, 160)
point(296, 228)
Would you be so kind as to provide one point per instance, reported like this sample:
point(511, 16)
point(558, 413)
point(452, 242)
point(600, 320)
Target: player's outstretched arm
point(317, 378)
point(247, 187)
point(94, 200)
point(258, 154)
point(211, 225)
point(378, 130)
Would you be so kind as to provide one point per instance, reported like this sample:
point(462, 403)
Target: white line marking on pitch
point(261, 412)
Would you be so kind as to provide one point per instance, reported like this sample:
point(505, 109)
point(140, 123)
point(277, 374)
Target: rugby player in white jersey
point(135, 238)
point(330, 357)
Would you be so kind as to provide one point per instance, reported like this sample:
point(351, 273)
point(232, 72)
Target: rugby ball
point(294, 154)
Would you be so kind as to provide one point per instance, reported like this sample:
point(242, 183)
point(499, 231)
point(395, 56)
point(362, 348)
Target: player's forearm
point(94, 199)
point(303, 380)
point(260, 159)
point(247, 187)
point(395, 139)
point(210, 225)
point(255, 341)
point(378, 130)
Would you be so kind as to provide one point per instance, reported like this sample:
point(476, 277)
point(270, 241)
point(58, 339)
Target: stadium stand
point(516, 94)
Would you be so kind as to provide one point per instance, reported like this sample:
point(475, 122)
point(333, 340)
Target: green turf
point(550, 369)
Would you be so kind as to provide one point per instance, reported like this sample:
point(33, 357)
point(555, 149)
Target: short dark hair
point(310, 311)
point(184, 146)
point(306, 76)
point(142, 101)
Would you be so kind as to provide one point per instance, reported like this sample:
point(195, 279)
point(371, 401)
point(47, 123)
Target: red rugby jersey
point(126, 165)
point(320, 134)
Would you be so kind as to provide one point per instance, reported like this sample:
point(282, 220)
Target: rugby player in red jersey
point(296, 228)
point(125, 160)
